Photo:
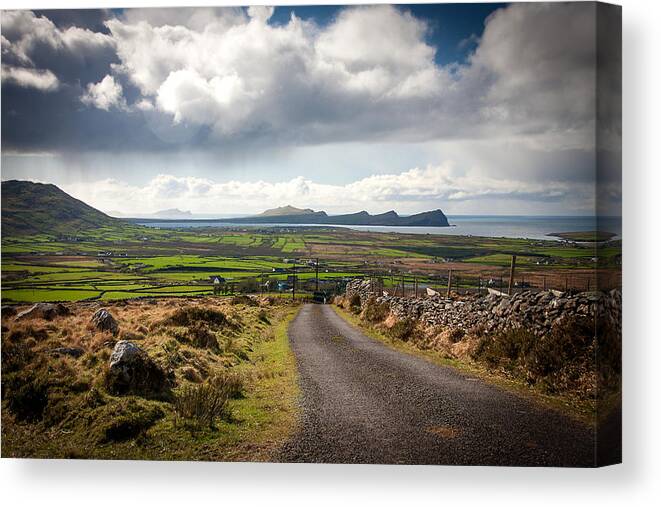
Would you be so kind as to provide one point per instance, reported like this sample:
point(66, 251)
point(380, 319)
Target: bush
point(402, 329)
point(202, 404)
point(374, 311)
point(26, 393)
point(192, 315)
point(456, 335)
point(202, 337)
point(262, 316)
point(562, 360)
point(124, 419)
point(243, 300)
point(354, 303)
point(16, 353)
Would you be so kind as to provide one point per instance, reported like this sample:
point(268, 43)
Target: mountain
point(286, 211)
point(33, 208)
point(434, 218)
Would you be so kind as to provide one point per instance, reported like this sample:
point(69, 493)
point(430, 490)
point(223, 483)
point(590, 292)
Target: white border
point(637, 482)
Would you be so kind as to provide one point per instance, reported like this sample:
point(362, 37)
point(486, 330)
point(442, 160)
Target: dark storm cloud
point(511, 118)
point(368, 75)
point(91, 19)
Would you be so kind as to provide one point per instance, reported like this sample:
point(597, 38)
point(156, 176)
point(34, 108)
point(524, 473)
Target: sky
point(470, 108)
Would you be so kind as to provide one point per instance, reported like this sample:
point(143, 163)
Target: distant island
point(297, 216)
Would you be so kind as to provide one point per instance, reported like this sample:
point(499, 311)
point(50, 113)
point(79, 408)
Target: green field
point(133, 261)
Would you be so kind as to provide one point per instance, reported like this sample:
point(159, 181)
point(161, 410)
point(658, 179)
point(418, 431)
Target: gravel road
point(363, 402)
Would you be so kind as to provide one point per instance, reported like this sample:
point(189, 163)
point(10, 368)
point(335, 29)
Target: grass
point(580, 410)
point(146, 261)
point(590, 236)
point(75, 416)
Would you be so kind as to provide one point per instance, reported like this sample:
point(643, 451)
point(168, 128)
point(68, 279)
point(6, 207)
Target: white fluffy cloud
point(105, 94)
point(414, 190)
point(368, 75)
point(38, 47)
point(517, 116)
point(246, 77)
point(43, 80)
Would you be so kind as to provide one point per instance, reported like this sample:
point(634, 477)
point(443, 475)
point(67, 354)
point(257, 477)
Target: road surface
point(363, 402)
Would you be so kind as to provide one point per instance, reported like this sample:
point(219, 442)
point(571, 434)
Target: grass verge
point(94, 424)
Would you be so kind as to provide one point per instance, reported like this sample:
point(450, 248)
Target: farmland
point(129, 261)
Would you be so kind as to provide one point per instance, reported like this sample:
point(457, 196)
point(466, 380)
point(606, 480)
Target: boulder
point(104, 321)
point(131, 370)
point(46, 311)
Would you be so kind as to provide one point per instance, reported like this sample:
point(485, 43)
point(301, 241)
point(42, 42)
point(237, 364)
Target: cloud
point(105, 94)
point(517, 116)
point(72, 54)
point(261, 13)
point(535, 78)
point(414, 190)
point(368, 75)
point(43, 80)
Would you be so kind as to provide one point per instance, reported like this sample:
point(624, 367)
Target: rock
point(67, 351)
point(104, 321)
point(131, 370)
point(537, 311)
point(46, 311)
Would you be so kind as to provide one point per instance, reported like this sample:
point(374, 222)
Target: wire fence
point(300, 283)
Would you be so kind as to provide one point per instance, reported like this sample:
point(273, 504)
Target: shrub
point(26, 393)
point(504, 349)
point(124, 419)
point(192, 375)
point(402, 329)
point(456, 335)
point(562, 360)
point(233, 346)
point(202, 337)
point(374, 311)
point(262, 316)
point(192, 315)
point(16, 353)
point(202, 404)
point(354, 303)
point(243, 300)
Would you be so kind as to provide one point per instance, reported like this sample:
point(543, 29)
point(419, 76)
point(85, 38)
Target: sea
point(495, 226)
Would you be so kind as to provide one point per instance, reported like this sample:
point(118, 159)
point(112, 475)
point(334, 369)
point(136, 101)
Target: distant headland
point(297, 216)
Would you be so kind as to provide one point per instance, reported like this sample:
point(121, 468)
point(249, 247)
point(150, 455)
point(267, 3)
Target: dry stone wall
point(537, 311)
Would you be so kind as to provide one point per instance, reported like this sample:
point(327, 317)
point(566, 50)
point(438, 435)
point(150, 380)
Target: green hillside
point(33, 208)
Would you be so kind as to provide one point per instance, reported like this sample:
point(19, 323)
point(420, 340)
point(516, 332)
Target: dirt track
point(366, 403)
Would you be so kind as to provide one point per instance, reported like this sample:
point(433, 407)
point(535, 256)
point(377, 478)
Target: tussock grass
point(222, 352)
point(202, 404)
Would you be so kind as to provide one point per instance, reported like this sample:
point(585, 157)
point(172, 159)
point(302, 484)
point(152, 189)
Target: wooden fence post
point(449, 282)
point(511, 282)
